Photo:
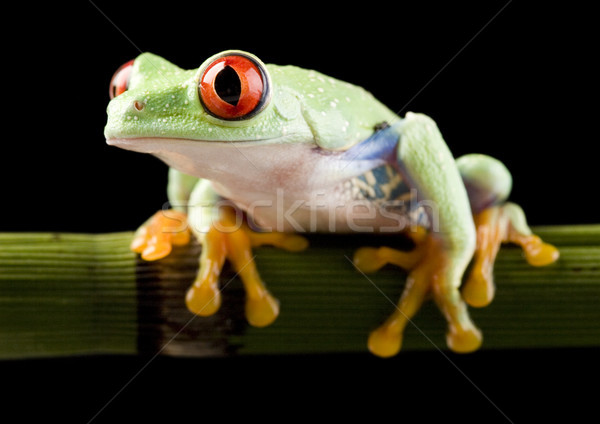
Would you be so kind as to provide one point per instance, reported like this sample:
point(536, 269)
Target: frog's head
point(233, 98)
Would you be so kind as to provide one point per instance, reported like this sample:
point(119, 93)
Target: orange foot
point(430, 272)
point(497, 225)
point(228, 240)
point(157, 236)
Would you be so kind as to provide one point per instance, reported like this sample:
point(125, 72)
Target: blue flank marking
point(381, 145)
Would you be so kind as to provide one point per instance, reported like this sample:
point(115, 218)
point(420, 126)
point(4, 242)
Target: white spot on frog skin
point(320, 90)
point(210, 129)
point(135, 118)
point(128, 117)
point(312, 96)
point(345, 126)
point(164, 119)
point(323, 113)
point(186, 102)
point(333, 104)
point(167, 105)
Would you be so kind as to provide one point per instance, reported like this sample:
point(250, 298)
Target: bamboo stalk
point(66, 294)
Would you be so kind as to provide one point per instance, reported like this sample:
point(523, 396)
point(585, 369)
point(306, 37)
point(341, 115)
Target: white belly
point(327, 210)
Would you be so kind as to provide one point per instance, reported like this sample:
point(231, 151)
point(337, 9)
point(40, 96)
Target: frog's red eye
point(233, 87)
point(120, 80)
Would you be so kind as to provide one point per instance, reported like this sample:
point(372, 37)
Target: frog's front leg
point(228, 238)
point(224, 235)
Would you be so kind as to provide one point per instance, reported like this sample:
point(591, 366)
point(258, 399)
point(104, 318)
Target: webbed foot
point(497, 225)
point(232, 241)
point(430, 273)
point(157, 236)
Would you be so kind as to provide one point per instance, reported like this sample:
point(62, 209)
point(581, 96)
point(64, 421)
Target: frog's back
point(332, 106)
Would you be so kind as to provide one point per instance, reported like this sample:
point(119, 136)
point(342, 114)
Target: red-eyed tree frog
point(259, 154)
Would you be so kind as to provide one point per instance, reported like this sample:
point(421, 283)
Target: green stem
point(64, 294)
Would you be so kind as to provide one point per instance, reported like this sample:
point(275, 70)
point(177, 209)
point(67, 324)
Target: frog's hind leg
point(488, 183)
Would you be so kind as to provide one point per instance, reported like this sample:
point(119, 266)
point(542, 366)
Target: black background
point(518, 86)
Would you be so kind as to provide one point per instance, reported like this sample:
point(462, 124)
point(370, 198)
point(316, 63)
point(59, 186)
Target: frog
point(263, 154)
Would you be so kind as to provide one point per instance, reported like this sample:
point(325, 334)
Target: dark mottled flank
point(385, 182)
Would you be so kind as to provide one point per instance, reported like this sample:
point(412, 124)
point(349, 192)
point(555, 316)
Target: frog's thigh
point(487, 180)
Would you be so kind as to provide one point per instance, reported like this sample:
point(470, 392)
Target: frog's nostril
point(139, 106)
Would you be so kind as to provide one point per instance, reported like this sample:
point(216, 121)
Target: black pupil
point(228, 85)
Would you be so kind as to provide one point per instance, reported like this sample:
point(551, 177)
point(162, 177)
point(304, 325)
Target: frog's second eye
point(120, 80)
point(233, 87)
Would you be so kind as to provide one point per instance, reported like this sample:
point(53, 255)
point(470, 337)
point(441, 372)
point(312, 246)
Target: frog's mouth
point(195, 157)
point(218, 159)
point(153, 145)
